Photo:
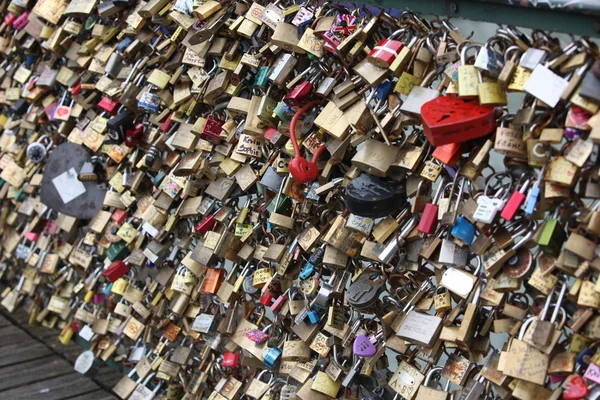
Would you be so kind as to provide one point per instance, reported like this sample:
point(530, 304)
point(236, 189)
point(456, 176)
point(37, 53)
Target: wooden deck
point(35, 365)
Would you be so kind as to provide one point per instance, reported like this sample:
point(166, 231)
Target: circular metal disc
point(63, 158)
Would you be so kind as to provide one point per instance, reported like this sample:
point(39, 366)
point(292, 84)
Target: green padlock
point(261, 76)
point(283, 112)
point(117, 251)
point(553, 235)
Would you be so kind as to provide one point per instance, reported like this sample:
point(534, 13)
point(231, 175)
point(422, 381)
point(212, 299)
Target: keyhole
point(446, 116)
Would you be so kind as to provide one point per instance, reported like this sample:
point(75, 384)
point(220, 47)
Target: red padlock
point(76, 89)
point(429, 219)
point(205, 225)
point(108, 104)
point(514, 203)
point(302, 170)
point(231, 360)
point(448, 154)
point(212, 129)
point(280, 301)
point(273, 288)
point(119, 216)
point(134, 135)
point(386, 51)
point(9, 18)
point(166, 125)
point(116, 270)
point(300, 92)
point(75, 326)
point(454, 120)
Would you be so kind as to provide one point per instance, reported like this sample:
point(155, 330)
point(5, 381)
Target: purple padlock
point(573, 133)
point(98, 298)
point(365, 346)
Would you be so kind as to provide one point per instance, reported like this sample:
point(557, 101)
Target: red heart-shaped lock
point(577, 389)
point(302, 170)
point(453, 120)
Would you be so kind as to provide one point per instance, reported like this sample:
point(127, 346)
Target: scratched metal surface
point(63, 158)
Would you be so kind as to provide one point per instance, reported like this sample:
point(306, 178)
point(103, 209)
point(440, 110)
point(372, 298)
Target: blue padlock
point(307, 271)
point(108, 288)
point(584, 356)
point(463, 230)
point(150, 102)
point(272, 356)
point(314, 316)
point(123, 44)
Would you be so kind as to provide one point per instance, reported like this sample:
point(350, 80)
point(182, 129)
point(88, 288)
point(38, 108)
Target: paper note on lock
point(68, 186)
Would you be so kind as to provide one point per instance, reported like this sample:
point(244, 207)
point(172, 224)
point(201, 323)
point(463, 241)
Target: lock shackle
point(150, 376)
point(530, 232)
point(262, 373)
point(495, 182)
point(465, 49)
point(398, 33)
point(436, 371)
point(513, 49)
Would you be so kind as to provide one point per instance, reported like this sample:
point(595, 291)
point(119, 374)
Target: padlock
point(36, 151)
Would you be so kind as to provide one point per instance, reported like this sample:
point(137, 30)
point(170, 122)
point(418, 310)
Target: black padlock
point(118, 124)
point(372, 197)
point(20, 107)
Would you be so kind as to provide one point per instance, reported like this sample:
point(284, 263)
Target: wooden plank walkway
point(35, 365)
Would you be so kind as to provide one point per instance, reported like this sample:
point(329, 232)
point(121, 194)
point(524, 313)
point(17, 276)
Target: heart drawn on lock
point(61, 111)
point(577, 389)
point(454, 120)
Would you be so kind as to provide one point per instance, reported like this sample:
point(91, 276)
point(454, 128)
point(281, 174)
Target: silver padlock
point(37, 151)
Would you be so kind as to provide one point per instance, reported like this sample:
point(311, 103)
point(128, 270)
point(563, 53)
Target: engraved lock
point(490, 92)
point(509, 140)
point(467, 74)
point(441, 300)
point(364, 293)
point(375, 157)
point(37, 151)
point(511, 56)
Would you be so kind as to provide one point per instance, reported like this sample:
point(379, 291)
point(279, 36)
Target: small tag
point(68, 186)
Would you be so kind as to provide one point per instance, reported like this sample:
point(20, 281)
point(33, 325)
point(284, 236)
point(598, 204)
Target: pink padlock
point(108, 104)
point(98, 298)
point(21, 21)
point(31, 236)
point(592, 373)
point(50, 227)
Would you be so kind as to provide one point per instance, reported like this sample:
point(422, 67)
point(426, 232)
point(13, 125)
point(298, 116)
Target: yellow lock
point(490, 93)
point(324, 384)
point(88, 296)
point(66, 334)
point(468, 79)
